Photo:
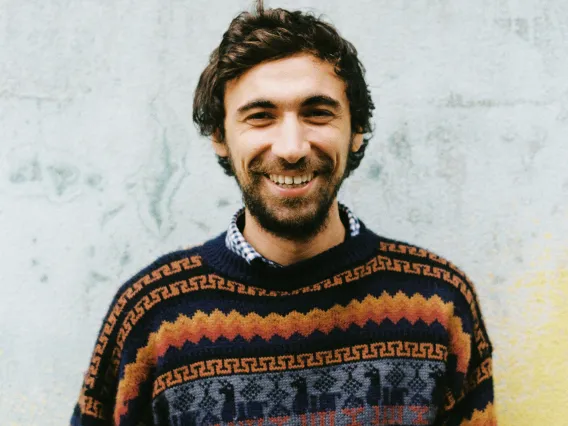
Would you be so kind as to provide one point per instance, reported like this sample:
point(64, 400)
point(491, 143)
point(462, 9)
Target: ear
point(357, 142)
point(219, 146)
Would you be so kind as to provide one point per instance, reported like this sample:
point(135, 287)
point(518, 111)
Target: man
point(298, 314)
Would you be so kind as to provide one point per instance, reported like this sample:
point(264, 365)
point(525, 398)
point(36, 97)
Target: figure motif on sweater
point(332, 394)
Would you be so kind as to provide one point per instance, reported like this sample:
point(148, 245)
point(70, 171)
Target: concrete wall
point(101, 170)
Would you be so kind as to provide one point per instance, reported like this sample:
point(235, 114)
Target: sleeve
point(96, 398)
point(475, 405)
point(470, 398)
point(101, 384)
point(117, 385)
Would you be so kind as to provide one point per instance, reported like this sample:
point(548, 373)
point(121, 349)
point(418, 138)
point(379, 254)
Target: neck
point(286, 252)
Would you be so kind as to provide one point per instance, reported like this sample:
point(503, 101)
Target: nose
point(290, 143)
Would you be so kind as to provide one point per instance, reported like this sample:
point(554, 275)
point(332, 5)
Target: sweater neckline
point(351, 252)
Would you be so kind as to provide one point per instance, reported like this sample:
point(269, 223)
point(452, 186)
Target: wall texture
point(101, 170)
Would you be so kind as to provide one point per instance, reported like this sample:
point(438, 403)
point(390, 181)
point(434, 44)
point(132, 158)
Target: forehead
point(285, 82)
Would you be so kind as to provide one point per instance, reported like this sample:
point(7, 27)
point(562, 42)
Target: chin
point(292, 223)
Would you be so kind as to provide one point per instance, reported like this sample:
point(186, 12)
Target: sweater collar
point(352, 252)
point(236, 242)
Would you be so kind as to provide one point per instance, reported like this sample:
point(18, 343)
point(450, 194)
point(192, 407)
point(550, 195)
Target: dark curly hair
point(270, 34)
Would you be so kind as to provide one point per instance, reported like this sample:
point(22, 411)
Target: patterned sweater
point(370, 332)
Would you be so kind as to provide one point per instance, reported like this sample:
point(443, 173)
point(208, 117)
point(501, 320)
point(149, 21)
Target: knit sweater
point(370, 332)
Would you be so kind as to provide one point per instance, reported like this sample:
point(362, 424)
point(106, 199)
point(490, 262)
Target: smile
point(291, 181)
point(304, 186)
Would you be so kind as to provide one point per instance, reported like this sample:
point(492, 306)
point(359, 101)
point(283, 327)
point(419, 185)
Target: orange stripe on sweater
point(218, 324)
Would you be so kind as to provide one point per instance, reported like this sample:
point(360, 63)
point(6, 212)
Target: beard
point(294, 218)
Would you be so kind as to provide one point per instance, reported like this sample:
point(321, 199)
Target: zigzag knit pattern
point(371, 332)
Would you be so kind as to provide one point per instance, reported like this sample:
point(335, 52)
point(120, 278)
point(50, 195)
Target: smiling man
point(298, 314)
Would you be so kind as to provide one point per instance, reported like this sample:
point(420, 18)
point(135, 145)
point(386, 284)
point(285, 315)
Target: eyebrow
point(322, 100)
point(310, 101)
point(257, 103)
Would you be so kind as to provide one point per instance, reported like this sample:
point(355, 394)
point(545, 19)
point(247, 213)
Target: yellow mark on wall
point(531, 350)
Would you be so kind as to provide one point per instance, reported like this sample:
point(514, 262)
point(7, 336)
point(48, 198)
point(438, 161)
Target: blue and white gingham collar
point(236, 242)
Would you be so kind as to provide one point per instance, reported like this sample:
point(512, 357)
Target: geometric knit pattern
point(372, 332)
point(236, 242)
point(362, 386)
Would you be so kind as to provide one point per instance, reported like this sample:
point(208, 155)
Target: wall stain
point(159, 181)
point(416, 216)
point(107, 216)
point(97, 277)
point(38, 98)
point(509, 137)
point(451, 164)
point(156, 195)
point(27, 172)
point(456, 100)
point(375, 171)
point(536, 143)
point(399, 145)
point(63, 176)
point(94, 180)
point(202, 226)
point(222, 202)
point(37, 172)
point(94, 278)
point(537, 31)
point(124, 258)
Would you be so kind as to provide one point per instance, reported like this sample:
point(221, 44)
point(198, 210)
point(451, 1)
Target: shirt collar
point(236, 242)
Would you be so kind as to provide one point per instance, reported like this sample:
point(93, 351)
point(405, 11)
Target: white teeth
point(289, 180)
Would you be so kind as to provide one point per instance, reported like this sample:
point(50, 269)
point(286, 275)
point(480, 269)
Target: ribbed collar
point(352, 252)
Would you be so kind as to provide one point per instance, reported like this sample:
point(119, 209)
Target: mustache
point(323, 165)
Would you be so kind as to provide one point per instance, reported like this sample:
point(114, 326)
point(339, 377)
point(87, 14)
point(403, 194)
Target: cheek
point(245, 150)
point(333, 145)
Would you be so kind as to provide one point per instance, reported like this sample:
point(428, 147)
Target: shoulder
point(175, 265)
point(168, 265)
point(414, 260)
point(417, 260)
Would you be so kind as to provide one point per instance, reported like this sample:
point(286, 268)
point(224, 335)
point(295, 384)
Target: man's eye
point(319, 113)
point(260, 116)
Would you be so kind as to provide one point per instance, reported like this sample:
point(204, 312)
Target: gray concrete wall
point(101, 170)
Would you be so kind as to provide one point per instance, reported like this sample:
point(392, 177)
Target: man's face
point(288, 135)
